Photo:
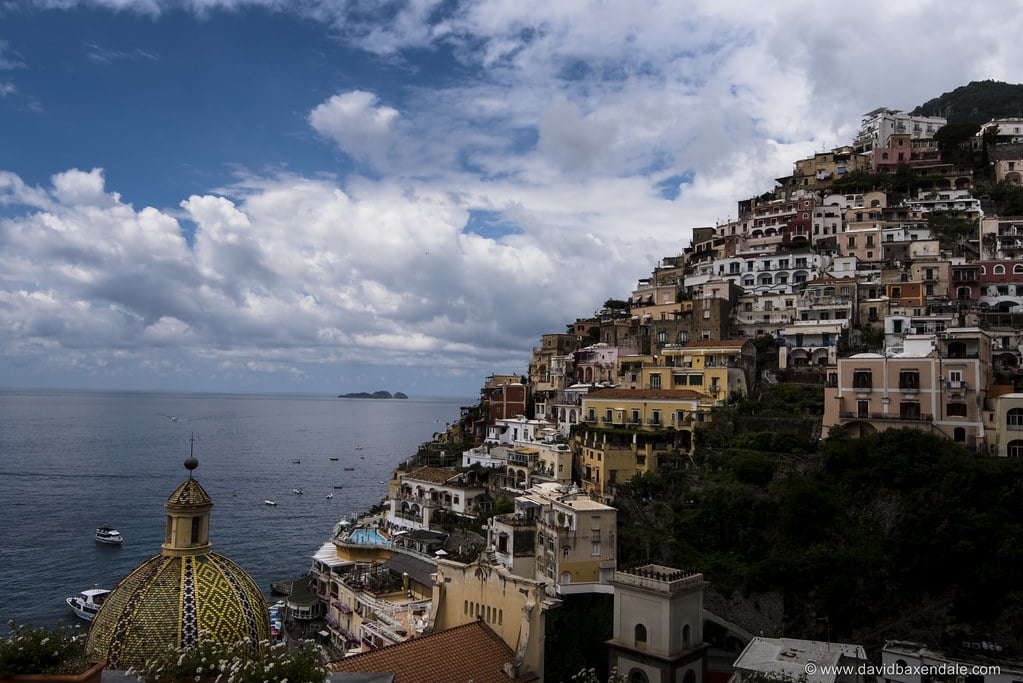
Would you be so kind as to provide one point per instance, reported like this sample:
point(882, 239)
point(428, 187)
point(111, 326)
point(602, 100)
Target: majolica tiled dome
point(185, 594)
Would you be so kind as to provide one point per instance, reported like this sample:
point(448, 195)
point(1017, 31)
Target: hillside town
point(880, 271)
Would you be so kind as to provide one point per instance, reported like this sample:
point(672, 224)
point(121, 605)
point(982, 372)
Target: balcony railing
point(853, 415)
point(959, 385)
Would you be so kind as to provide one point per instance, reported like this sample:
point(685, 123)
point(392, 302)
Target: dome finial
point(191, 462)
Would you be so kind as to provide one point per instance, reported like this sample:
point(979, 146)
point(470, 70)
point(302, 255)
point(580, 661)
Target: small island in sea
point(375, 394)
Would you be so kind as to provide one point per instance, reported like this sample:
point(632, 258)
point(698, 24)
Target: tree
point(617, 305)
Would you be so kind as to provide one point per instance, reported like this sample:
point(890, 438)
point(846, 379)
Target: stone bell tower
point(658, 625)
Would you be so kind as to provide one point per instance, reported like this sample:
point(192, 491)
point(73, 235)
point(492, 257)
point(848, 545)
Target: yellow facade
point(626, 432)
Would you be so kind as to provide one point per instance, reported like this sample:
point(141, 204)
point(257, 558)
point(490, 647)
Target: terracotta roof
point(716, 344)
point(663, 394)
point(471, 652)
point(438, 475)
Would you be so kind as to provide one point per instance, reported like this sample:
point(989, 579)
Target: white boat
point(296, 490)
point(106, 534)
point(269, 502)
point(330, 495)
point(87, 603)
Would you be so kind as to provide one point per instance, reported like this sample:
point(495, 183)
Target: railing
point(957, 385)
point(851, 415)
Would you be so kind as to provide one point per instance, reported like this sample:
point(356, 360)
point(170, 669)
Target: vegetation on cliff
point(978, 101)
point(885, 536)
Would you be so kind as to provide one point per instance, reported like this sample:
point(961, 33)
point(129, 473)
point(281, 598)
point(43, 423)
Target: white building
point(880, 124)
point(811, 661)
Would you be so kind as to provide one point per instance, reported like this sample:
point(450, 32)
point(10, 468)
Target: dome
point(185, 594)
point(174, 602)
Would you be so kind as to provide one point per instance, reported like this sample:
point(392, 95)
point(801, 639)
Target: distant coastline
point(375, 394)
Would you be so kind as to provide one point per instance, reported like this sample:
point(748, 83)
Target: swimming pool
point(371, 536)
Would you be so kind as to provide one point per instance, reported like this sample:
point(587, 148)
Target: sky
point(329, 196)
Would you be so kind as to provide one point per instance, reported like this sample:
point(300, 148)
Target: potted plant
point(45, 654)
point(240, 662)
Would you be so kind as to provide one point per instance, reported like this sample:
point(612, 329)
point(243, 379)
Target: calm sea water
point(73, 461)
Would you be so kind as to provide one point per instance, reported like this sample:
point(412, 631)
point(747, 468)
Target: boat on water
point(339, 487)
point(87, 603)
point(333, 458)
point(330, 495)
point(296, 462)
point(106, 534)
point(269, 502)
point(299, 491)
point(349, 469)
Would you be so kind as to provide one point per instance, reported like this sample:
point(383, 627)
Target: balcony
point(956, 387)
point(852, 415)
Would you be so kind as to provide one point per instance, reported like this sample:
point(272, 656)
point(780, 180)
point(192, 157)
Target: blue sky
point(332, 196)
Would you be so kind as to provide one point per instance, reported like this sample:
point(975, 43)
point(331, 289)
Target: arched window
point(689, 677)
point(1018, 268)
point(1014, 449)
point(959, 435)
point(640, 633)
point(999, 270)
point(685, 636)
point(1014, 418)
point(638, 676)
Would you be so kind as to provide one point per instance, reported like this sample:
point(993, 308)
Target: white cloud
point(360, 127)
point(565, 119)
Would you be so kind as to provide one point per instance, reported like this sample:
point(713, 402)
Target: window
point(862, 409)
point(909, 410)
point(640, 634)
point(655, 381)
point(909, 379)
point(955, 410)
point(1014, 449)
point(539, 540)
point(595, 550)
point(655, 417)
point(896, 292)
point(662, 337)
point(607, 415)
point(592, 415)
point(1018, 268)
point(1014, 418)
point(635, 417)
point(862, 379)
point(999, 270)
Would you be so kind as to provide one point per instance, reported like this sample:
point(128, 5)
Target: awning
point(327, 554)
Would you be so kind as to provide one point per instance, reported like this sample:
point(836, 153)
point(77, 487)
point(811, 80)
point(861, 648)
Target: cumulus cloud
point(354, 121)
point(567, 122)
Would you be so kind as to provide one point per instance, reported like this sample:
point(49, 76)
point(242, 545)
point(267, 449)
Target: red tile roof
point(661, 394)
point(471, 652)
point(437, 475)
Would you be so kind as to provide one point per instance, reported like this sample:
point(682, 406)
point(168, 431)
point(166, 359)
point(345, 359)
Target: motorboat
point(87, 603)
point(299, 491)
point(106, 534)
point(333, 458)
point(349, 469)
point(269, 502)
point(330, 495)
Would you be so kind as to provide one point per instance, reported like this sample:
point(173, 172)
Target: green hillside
point(979, 101)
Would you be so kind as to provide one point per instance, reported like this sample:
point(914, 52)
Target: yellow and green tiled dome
point(184, 595)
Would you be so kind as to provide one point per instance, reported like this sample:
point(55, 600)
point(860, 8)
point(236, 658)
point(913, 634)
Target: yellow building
point(560, 536)
point(628, 431)
point(513, 606)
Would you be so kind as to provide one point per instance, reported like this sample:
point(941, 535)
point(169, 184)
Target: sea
point(73, 461)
